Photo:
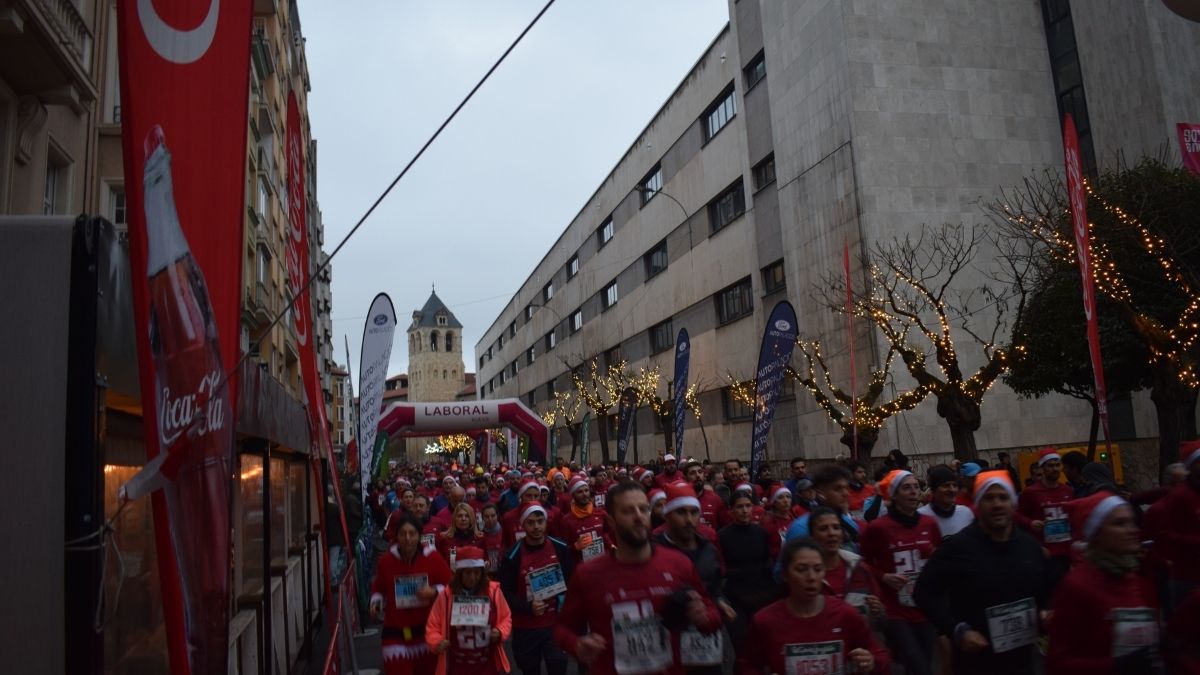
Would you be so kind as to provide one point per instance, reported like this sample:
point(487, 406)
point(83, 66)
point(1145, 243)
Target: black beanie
point(940, 474)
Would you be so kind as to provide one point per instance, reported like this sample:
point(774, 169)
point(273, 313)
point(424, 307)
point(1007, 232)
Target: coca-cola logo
point(176, 413)
point(178, 46)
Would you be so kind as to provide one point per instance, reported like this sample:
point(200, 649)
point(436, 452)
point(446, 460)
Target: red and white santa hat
point(891, 482)
point(530, 510)
point(468, 557)
point(679, 495)
point(526, 487)
point(668, 458)
point(1189, 453)
point(744, 487)
point(1089, 513)
point(576, 483)
point(1048, 454)
point(987, 479)
point(657, 495)
point(776, 492)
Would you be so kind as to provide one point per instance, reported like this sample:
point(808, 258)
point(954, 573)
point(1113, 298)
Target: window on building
point(735, 302)
point(499, 343)
point(482, 360)
point(662, 337)
point(605, 232)
point(263, 197)
point(433, 341)
point(489, 353)
point(764, 172)
point(548, 292)
point(443, 374)
point(735, 410)
point(577, 320)
point(551, 340)
point(441, 320)
point(503, 377)
point(756, 70)
point(1068, 76)
point(531, 399)
point(727, 207)
point(550, 390)
point(449, 341)
point(573, 263)
point(719, 113)
point(264, 265)
point(512, 369)
point(612, 357)
point(651, 184)
point(116, 207)
point(528, 312)
point(512, 329)
point(56, 196)
point(655, 259)
point(530, 355)
point(772, 277)
point(610, 295)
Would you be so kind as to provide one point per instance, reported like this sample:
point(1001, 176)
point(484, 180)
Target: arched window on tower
point(443, 374)
point(433, 341)
point(449, 341)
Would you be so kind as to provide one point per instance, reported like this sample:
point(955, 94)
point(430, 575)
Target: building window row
point(651, 184)
point(662, 337)
point(727, 207)
point(720, 113)
point(755, 71)
point(610, 296)
point(655, 260)
point(764, 172)
point(735, 302)
point(773, 278)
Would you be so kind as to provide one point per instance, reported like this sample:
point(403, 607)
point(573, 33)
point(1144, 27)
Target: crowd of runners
point(690, 567)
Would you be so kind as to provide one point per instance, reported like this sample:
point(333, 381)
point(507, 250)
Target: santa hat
point(1048, 454)
point(987, 479)
point(891, 482)
point(468, 557)
point(576, 484)
point(680, 495)
point(657, 495)
point(1189, 453)
point(1089, 513)
point(668, 458)
point(471, 490)
point(526, 487)
point(744, 487)
point(530, 510)
point(779, 491)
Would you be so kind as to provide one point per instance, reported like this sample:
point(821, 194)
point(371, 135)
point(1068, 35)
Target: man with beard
point(984, 586)
point(713, 513)
point(626, 610)
point(1042, 509)
point(532, 575)
point(670, 472)
point(582, 524)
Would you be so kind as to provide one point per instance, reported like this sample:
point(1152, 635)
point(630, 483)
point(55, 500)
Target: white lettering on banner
point(456, 416)
point(376, 353)
point(174, 45)
point(176, 413)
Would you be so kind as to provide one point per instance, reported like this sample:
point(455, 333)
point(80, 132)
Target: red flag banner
point(1075, 193)
point(1189, 145)
point(850, 333)
point(184, 69)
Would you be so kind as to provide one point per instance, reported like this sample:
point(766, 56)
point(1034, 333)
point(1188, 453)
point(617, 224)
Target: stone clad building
point(809, 125)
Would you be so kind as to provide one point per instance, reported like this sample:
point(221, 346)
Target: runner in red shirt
point(777, 520)
point(493, 538)
point(896, 546)
point(533, 575)
point(713, 512)
point(626, 611)
point(527, 494)
point(1041, 508)
point(583, 525)
point(1103, 620)
point(1173, 523)
point(860, 489)
point(810, 632)
point(847, 577)
point(670, 474)
point(462, 532)
point(407, 580)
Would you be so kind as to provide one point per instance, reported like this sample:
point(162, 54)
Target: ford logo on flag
point(380, 319)
point(682, 347)
point(782, 325)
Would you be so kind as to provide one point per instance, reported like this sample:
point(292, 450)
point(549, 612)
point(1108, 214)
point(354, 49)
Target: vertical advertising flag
point(683, 357)
point(626, 409)
point(184, 74)
point(1075, 193)
point(373, 360)
point(1189, 145)
point(850, 333)
point(583, 439)
point(779, 339)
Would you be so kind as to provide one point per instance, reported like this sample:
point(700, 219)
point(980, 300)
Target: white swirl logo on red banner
point(174, 45)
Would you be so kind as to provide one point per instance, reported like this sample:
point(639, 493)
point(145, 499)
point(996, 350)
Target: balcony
point(262, 305)
point(46, 50)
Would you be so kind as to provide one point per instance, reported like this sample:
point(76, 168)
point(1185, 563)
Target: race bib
point(641, 646)
point(547, 582)
point(1057, 530)
point(595, 546)
point(905, 594)
point(470, 611)
point(1012, 625)
point(1133, 629)
point(698, 649)
point(405, 589)
point(813, 658)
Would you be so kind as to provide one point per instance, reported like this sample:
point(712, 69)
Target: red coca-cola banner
point(184, 69)
point(1189, 145)
point(1083, 247)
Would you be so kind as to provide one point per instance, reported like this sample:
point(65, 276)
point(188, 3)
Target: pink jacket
point(438, 626)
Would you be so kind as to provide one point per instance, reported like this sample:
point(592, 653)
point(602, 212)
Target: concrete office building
point(810, 124)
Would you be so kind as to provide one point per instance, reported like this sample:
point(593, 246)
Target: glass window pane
point(250, 542)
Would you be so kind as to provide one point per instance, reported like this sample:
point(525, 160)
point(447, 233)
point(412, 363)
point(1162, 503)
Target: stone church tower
point(435, 363)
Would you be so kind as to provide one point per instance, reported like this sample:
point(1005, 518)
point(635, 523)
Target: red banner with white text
point(1189, 145)
point(184, 69)
point(1075, 192)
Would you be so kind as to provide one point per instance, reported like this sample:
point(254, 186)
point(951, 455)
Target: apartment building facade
point(809, 126)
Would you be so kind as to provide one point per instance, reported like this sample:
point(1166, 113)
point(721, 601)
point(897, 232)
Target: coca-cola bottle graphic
point(194, 417)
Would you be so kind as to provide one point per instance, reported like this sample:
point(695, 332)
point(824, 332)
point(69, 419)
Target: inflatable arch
point(426, 419)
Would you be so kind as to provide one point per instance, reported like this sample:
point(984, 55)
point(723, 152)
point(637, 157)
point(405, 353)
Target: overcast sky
point(502, 182)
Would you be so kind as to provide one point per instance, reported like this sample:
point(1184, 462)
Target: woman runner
point(470, 621)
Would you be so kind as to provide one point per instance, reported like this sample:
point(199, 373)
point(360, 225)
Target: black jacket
point(748, 581)
point(705, 557)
